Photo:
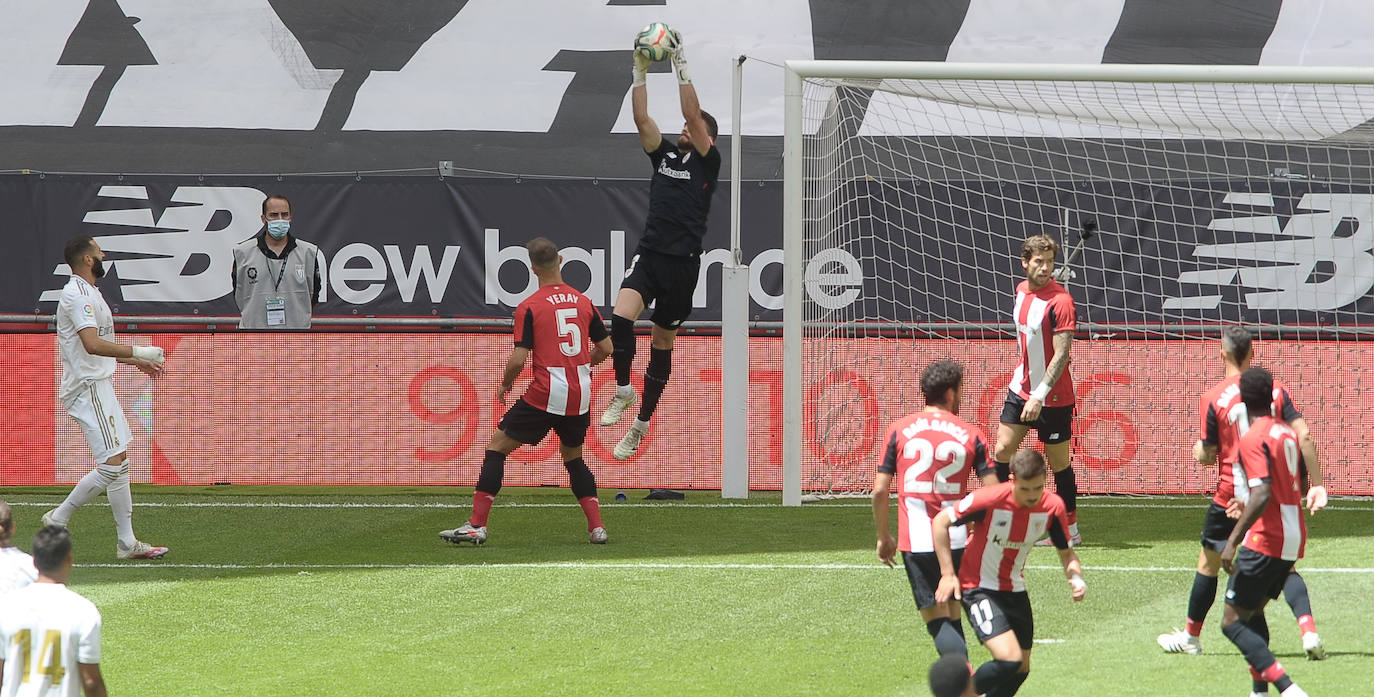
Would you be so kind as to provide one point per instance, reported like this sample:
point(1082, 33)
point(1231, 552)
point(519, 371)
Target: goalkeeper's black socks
point(1003, 470)
point(655, 379)
point(622, 348)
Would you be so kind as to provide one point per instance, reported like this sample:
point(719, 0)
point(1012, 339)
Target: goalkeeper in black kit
point(667, 261)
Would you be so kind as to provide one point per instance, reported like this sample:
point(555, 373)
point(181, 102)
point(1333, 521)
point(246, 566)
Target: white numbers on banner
point(567, 328)
point(924, 455)
point(981, 614)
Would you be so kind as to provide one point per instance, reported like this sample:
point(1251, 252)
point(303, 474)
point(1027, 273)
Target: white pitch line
point(607, 504)
point(633, 565)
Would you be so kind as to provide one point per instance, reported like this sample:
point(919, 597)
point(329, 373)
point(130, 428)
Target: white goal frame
point(796, 71)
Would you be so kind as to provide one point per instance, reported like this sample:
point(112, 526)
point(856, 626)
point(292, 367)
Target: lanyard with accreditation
point(276, 305)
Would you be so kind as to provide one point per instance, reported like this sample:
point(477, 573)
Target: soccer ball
point(655, 42)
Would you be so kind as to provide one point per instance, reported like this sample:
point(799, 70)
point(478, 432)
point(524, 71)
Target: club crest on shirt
point(300, 273)
point(252, 274)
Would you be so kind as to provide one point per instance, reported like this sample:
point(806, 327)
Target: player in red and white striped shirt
point(1008, 520)
point(1222, 423)
point(1270, 534)
point(1040, 394)
point(554, 325)
point(930, 453)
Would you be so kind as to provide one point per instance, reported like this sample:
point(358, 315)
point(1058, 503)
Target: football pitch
point(315, 591)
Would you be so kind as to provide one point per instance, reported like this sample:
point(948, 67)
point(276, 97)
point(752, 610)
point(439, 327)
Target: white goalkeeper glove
point(152, 354)
point(679, 54)
point(639, 74)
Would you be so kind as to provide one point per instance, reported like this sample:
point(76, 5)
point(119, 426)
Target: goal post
point(1223, 195)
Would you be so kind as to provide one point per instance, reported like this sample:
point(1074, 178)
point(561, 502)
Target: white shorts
point(97, 411)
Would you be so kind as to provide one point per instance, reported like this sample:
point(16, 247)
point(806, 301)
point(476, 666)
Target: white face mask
point(278, 228)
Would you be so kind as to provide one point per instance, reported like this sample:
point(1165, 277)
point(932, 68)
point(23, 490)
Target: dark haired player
point(930, 454)
point(554, 324)
point(1008, 519)
point(1223, 422)
point(1268, 538)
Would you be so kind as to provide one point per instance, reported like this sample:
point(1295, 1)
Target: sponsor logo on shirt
point(667, 171)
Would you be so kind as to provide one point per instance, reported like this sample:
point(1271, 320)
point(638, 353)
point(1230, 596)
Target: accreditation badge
point(276, 312)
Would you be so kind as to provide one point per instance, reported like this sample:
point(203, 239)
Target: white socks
point(90, 486)
point(122, 506)
point(114, 481)
point(624, 391)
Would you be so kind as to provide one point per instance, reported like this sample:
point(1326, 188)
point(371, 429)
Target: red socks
point(591, 507)
point(481, 508)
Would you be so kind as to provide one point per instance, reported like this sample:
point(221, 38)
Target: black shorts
point(667, 281)
point(1055, 424)
point(529, 424)
point(923, 570)
point(1257, 579)
point(994, 612)
point(1216, 527)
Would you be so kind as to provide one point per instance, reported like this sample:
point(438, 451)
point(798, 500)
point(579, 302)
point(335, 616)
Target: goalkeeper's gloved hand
point(152, 354)
point(639, 73)
point(679, 54)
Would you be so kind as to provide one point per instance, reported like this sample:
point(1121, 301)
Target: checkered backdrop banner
point(417, 408)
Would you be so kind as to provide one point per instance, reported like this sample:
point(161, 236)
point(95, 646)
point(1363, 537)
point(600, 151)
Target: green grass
point(685, 600)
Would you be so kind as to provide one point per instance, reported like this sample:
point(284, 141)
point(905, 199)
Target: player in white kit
point(16, 566)
point(85, 335)
point(50, 636)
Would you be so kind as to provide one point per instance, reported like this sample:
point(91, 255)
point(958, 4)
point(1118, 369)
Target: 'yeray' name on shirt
point(938, 424)
point(561, 298)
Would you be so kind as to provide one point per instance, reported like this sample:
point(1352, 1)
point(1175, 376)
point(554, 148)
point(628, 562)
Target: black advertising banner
point(392, 246)
point(1245, 250)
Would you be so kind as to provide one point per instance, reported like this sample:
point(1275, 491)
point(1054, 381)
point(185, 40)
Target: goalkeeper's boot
point(139, 550)
point(48, 519)
point(1179, 641)
point(619, 403)
point(466, 533)
point(629, 445)
point(1312, 644)
point(597, 536)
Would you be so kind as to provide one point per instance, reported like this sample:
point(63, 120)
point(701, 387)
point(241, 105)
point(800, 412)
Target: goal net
point(1237, 195)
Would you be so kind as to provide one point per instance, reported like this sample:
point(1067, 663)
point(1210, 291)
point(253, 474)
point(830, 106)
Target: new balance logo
point(1317, 261)
point(184, 255)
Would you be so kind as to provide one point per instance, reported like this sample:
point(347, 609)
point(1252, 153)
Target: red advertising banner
point(394, 408)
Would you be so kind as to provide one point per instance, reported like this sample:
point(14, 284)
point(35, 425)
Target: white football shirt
point(54, 629)
point(16, 569)
point(82, 306)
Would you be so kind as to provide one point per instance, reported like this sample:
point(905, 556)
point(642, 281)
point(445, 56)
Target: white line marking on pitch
point(629, 565)
point(607, 504)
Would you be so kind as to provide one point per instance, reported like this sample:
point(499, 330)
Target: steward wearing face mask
point(276, 278)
